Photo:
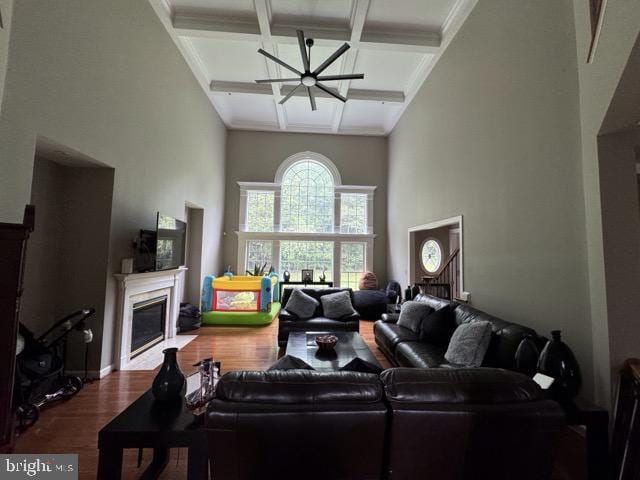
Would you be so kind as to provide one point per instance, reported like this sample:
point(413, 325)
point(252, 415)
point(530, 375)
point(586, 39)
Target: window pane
point(260, 211)
point(307, 198)
point(259, 252)
point(431, 255)
point(352, 263)
point(298, 255)
point(353, 213)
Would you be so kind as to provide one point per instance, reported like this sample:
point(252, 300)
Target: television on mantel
point(171, 236)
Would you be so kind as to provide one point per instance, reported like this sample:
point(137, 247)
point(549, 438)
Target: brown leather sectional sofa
point(441, 424)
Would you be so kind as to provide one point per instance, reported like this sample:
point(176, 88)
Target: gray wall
point(255, 157)
point(598, 81)
point(621, 242)
point(6, 9)
point(105, 79)
point(493, 135)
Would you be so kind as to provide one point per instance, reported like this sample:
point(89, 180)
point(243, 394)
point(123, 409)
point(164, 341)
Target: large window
point(353, 213)
point(352, 263)
point(307, 198)
point(307, 219)
point(259, 252)
point(297, 255)
point(260, 211)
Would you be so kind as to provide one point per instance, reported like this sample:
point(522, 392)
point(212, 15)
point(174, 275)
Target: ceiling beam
point(247, 29)
point(224, 88)
point(262, 11)
point(358, 16)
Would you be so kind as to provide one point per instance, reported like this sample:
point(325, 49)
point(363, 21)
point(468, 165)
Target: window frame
point(277, 235)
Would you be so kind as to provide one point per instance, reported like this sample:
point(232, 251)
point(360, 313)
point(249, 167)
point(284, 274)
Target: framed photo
point(307, 276)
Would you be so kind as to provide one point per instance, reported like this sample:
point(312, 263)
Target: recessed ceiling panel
point(311, 11)
point(299, 113)
point(290, 53)
point(384, 70)
point(413, 14)
point(247, 109)
point(229, 60)
point(240, 8)
point(368, 115)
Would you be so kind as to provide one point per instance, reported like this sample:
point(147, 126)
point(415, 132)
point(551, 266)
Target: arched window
point(307, 198)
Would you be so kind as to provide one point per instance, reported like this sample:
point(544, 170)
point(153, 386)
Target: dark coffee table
point(350, 345)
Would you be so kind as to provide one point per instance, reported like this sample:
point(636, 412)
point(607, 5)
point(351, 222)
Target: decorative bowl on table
point(326, 342)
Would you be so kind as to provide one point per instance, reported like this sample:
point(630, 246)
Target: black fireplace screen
point(148, 324)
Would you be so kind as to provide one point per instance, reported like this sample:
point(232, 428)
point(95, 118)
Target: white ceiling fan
point(308, 78)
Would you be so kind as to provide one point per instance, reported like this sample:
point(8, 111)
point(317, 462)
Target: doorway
point(195, 224)
point(435, 258)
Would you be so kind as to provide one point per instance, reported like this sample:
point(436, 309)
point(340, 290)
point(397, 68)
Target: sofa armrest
point(285, 315)
point(354, 317)
point(390, 317)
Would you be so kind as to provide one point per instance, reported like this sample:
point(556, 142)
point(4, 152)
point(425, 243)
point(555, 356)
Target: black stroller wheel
point(71, 387)
point(27, 414)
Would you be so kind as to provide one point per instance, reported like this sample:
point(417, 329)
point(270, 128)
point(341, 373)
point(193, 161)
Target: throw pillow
point(289, 362)
point(368, 281)
point(301, 304)
point(337, 305)
point(412, 314)
point(359, 365)
point(469, 344)
point(438, 327)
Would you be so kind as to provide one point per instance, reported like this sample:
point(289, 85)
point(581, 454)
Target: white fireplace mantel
point(134, 287)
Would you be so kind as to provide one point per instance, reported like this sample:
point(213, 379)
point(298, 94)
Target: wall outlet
point(465, 296)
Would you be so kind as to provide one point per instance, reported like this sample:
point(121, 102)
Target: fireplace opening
point(148, 324)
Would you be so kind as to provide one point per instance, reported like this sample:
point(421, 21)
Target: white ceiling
point(395, 43)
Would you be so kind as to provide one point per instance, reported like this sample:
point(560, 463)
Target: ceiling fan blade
point(271, 80)
point(312, 98)
point(303, 50)
point(355, 76)
point(290, 94)
point(278, 61)
point(332, 58)
point(330, 92)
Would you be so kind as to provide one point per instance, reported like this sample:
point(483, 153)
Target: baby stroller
point(40, 377)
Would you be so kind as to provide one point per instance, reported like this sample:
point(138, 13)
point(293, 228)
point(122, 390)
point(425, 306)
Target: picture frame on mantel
point(596, 17)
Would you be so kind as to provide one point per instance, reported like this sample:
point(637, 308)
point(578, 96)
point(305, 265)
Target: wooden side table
point(146, 424)
point(595, 419)
point(312, 284)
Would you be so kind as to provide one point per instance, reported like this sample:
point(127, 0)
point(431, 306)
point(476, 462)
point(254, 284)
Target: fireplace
point(148, 324)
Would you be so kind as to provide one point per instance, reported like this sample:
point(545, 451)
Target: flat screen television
point(171, 236)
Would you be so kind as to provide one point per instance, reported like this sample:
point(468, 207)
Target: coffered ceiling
point(395, 43)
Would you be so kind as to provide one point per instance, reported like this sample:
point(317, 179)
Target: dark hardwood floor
point(72, 427)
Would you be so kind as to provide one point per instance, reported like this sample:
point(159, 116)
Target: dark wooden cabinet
point(13, 244)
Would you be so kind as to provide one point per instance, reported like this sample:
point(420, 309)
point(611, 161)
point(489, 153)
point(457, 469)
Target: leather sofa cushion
point(505, 338)
point(391, 334)
point(316, 293)
point(299, 386)
point(459, 386)
point(434, 302)
point(420, 355)
point(319, 324)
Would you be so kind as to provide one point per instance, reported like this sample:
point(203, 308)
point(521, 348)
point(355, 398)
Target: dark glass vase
point(170, 384)
point(527, 355)
point(557, 361)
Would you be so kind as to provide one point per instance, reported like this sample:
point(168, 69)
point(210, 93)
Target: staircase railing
point(444, 283)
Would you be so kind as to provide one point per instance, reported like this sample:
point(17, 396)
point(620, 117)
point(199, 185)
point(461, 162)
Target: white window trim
point(276, 236)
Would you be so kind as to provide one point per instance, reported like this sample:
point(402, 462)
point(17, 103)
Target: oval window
point(431, 255)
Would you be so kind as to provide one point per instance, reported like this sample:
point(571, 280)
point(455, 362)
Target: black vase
point(170, 384)
point(527, 355)
point(557, 361)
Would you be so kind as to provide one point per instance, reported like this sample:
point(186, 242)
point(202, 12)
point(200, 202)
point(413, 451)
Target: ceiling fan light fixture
point(309, 81)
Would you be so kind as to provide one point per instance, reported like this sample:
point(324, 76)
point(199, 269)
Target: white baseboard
point(94, 374)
